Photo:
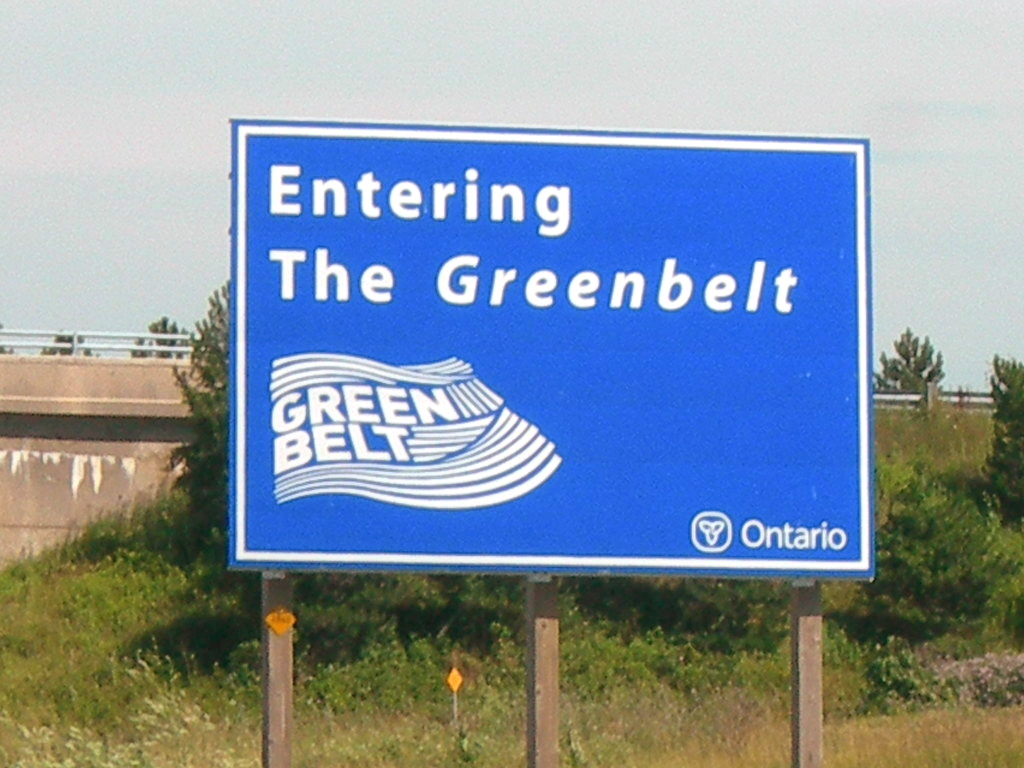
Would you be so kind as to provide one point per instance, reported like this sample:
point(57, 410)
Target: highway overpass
point(81, 437)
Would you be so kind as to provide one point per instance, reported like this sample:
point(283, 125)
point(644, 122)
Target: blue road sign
point(532, 350)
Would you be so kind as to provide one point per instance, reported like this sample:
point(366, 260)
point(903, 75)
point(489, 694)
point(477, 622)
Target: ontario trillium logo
point(431, 436)
point(711, 532)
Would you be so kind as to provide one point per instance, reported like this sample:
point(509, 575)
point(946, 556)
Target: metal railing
point(175, 346)
point(969, 401)
point(178, 346)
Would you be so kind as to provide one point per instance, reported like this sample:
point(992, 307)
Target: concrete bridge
point(81, 437)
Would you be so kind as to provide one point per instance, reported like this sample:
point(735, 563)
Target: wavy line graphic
point(431, 436)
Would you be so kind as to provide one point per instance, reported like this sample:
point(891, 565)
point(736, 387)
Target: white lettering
point(405, 199)
point(467, 284)
point(582, 288)
point(325, 272)
point(556, 218)
point(675, 288)
point(437, 403)
point(323, 404)
point(718, 291)
point(442, 191)
point(472, 212)
point(394, 437)
point(636, 283)
point(394, 405)
point(361, 449)
point(376, 284)
point(539, 287)
point(511, 192)
point(368, 186)
point(287, 259)
point(280, 188)
point(328, 442)
point(291, 451)
point(336, 189)
point(754, 534)
point(287, 414)
point(784, 281)
point(359, 403)
point(502, 279)
point(756, 283)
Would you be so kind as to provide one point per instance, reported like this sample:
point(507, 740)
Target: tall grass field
point(132, 647)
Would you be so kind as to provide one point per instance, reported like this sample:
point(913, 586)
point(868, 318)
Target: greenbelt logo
point(431, 436)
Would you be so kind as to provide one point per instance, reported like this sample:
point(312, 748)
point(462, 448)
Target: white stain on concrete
point(96, 465)
point(79, 465)
point(77, 473)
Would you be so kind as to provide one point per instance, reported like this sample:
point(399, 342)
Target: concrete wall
point(81, 438)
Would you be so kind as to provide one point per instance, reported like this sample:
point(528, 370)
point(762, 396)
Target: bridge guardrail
point(178, 346)
point(972, 401)
point(175, 346)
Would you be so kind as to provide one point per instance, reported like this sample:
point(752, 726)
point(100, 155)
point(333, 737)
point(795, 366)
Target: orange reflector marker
point(280, 621)
point(454, 680)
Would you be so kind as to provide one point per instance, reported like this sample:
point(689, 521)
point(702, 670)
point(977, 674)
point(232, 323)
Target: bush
point(204, 388)
point(938, 562)
point(713, 615)
point(992, 680)
point(897, 679)
point(1005, 468)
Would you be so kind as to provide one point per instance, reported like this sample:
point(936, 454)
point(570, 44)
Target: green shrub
point(1005, 468)
point(938, 562)
point(712, 615)
point(204, 388)
point(897, 679)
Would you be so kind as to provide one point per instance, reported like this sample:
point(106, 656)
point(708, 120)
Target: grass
point(946, 438)
point(728, 730)
point(121, 652)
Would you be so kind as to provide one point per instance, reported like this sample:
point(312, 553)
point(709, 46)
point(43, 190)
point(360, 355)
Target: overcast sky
point(115, 150)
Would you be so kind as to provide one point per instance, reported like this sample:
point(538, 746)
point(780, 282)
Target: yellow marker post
point(454, 682)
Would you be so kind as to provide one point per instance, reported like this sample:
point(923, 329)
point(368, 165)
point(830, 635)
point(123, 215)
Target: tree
point(1005, 466)
point(163, 326)
point(204, 387)
point(915, 366)
point(937, 556)
point(5, 350)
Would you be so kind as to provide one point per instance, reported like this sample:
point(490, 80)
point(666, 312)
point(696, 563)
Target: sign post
point(541, 672)
point(454, 682)
point(276, 678)
point(806, 716)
